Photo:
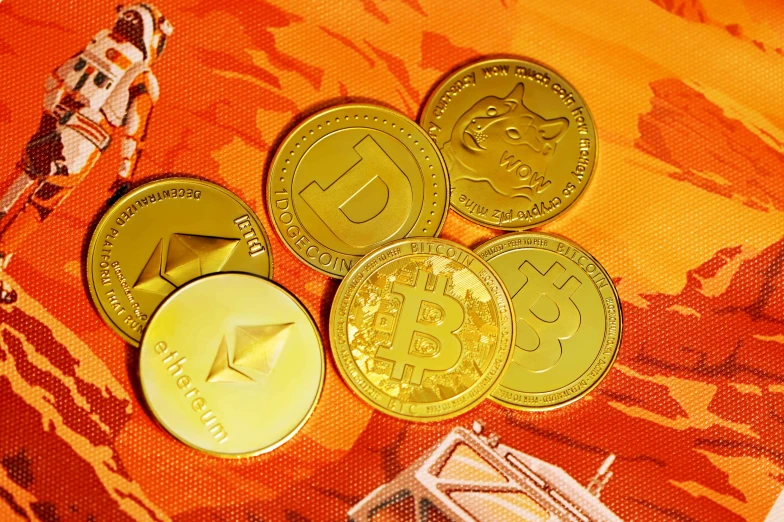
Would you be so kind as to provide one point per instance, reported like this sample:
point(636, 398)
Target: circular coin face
point(232, 365)
point(518, 141)
point(160, 236)
point(421, 329)
point(351, 178)
point(568, 319)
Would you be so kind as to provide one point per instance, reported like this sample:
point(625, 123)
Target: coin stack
point(420, 328)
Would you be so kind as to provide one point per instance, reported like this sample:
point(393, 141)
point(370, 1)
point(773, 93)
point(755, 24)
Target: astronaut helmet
point(143, 25)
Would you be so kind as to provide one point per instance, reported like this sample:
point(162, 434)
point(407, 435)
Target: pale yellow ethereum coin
point(162, 235)
point(422, 329)
point(569, 320)
point(232, 365)
point(351, 178)
point(517, 138)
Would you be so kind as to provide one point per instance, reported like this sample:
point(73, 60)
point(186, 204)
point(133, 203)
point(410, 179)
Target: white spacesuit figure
point(105, 90)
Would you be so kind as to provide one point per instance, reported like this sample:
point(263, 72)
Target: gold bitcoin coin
point(352, 178)
point(518, 140)
point(422, 329)
point(160, 236)
point(569, 319)
point(232, 365)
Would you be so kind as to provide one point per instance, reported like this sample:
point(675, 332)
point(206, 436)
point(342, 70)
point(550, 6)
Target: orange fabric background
point(685, 211)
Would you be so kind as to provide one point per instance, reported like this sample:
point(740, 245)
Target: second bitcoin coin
point(352, 178)
point(422, 329)
point(569, 319)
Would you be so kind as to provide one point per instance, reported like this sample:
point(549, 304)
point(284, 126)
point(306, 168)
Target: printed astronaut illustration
point(105, 92)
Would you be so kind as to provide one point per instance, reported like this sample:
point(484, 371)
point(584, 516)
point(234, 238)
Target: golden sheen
point(422, 329)
point(518, 140)
point(232, 365)
point(569, 320)
point(352, 178)
point(162, 235)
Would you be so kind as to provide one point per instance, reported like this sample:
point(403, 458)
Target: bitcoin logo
point(546, 315)
point(424, 338)
point(369, 203)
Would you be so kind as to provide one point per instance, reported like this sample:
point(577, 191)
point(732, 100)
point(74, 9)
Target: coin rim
point(316, 398)
point(96, 301)
point(344, 373)
point(302, 124)
point(513, 58)
point(504, 237)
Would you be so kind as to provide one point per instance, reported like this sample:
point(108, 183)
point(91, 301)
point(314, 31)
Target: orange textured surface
point(685, 211)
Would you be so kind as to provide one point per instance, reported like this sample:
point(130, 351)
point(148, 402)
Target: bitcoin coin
point(160, 236)
point(232, 365)
point(569, 320)
point(422, 329)
point(518, 140)
point(352, 178)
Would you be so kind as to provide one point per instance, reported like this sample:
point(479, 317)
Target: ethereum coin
point(518, 140)
point(352, 178)
point(232, 365)
point(160, 236)
point(569, 320)
point(422, 329)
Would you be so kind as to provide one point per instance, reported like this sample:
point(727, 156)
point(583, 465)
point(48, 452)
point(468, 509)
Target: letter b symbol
point(546, 316)
point(369, 203)
point(424, 338)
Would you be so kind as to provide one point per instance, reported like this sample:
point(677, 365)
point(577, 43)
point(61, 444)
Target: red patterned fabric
point(685, 211)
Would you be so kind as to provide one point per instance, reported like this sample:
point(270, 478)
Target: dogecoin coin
point(518, 140)
point(569, 319)
point(422, 329)
point(232, 365)
point(352, 178)
point(162, 235)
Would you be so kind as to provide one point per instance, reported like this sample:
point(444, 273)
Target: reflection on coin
point(569, 319)
point(351, 178)
point(518, 140)
point(232, 365)
point(162, 235)
point(422, 329)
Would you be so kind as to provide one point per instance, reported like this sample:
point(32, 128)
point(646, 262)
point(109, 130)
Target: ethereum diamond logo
point(256, 350)
point(150, 279)
point(187, 257)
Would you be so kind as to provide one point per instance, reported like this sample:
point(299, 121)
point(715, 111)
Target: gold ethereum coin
point(569, 319)
point(422, 329)
point(160, 236)
point(352, 178)
point(232, 365)
point(518, 140)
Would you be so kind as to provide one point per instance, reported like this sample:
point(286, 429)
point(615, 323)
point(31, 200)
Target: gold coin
point(569, 319)
point(232, 365)
point(352, 178)
point(422, 329)
point(518, 140)
point(160, 236)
